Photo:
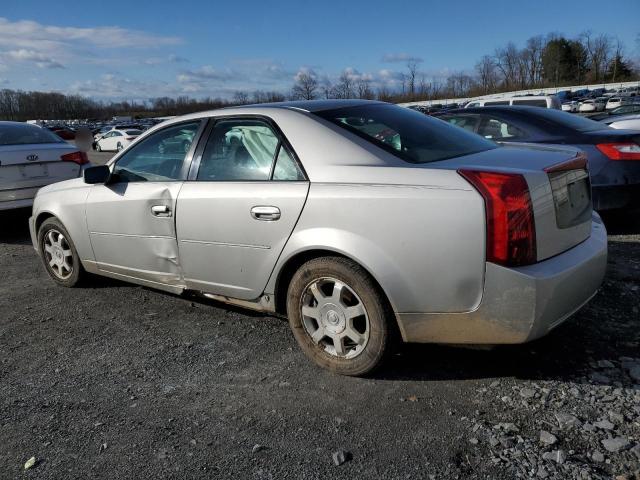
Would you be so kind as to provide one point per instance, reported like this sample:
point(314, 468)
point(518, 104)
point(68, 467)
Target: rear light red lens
point(76, 157)
point(130, 138)
point(620, 151)
point(511, 232)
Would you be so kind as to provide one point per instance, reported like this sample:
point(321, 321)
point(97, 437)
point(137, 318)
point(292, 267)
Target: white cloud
point(40, 59)
point(34, 35)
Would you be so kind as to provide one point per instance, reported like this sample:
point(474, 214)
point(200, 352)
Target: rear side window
point(567, 120)
point(16, 134)
point(468, 122)
point(407, 134)
point(497, 102)
point(498, 129)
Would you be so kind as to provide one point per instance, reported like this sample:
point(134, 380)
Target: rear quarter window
point(407, 134)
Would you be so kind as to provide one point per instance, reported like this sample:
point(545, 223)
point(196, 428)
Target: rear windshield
point(16, 134)
point(410, 135)
point(568, 120)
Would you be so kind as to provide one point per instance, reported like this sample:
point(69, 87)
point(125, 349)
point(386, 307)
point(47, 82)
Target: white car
point(116, 140)
point(571, 106)
point(629, 122)
point(587, 106)
point(30, 158)
point(615, 102)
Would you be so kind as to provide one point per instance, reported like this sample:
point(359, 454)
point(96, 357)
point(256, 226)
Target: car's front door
point(244, 196)
point(131, 219)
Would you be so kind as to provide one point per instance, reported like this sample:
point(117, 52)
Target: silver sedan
point(31, 157)
point(362, 222)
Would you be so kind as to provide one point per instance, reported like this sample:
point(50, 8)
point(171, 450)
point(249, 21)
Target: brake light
point(130, 138)
point(620, 151)
point(76, 157)
point(511, 232)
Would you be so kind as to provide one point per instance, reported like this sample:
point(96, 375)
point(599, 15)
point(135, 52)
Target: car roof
point(311, 105)
point(517, 109)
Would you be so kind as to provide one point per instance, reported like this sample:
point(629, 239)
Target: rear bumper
point(610, 197)
point(17, 198)
point(520, 304)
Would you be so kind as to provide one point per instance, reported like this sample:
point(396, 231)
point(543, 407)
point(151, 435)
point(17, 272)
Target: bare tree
point(598, 48)
point(344, 87)
point(241, 97)
point(487, 73)
point(305, 86)
point(363, 86)
point(412, 68)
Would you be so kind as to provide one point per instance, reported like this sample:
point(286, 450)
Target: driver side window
point(159, 157)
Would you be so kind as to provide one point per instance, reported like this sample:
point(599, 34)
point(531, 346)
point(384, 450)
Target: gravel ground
point(120, 381)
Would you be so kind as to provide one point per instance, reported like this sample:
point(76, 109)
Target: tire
point(351, 306)
point(98, 147)
point(119, 147)
point(51, 246)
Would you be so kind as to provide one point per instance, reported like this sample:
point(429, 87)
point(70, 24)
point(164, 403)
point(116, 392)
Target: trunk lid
point(35, 165)
point(559, 188)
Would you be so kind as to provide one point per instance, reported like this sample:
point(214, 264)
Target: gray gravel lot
point(120, 381)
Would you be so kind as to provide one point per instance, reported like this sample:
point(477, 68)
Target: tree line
point(544, 61)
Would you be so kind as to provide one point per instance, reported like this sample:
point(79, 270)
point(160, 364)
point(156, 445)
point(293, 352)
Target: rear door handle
point(265, 213)
point(161, 210)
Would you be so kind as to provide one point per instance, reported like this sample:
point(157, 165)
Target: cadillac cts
point(360, 221)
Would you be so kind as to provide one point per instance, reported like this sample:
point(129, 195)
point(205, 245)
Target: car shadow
point(14, 228)
point(625, 222)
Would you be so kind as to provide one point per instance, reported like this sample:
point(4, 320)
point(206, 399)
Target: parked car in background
point(116, 140)
point(454, 240)
point(615, 102)
point(587, 106)
point(623, 121)
point(545, 101)
point(612, 154)
point(570, 106)
point(31, 157)
point(625, 109)
point(64, 133)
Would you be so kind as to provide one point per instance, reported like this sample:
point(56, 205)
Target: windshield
point(410, 135)
point(16, 134)
point(574, 122)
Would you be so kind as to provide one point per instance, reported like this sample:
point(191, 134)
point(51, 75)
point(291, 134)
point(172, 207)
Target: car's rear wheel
point(59, 254)
point(98, 147)
point(338, 316)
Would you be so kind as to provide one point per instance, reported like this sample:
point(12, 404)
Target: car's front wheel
point(338, 316)
point(98, 147)
point(119, 147)
point(59, 254)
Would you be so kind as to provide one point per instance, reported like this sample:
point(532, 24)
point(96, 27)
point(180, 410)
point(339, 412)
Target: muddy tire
point(339, 316)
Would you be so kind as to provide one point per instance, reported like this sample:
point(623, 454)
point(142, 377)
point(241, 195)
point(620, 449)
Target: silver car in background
point(32, 157)
point(360, 221)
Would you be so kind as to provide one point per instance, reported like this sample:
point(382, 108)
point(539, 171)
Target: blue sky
point(140, 49)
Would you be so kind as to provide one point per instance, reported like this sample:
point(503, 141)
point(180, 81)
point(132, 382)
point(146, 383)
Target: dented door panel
point(128, 237)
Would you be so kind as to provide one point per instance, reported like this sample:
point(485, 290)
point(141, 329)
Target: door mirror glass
point(98, 174)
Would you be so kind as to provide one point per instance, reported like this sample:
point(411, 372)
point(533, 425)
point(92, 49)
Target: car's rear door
point(131, 219)
point(244, 196)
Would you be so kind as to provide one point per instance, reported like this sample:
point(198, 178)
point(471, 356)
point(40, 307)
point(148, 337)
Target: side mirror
point(98, 174)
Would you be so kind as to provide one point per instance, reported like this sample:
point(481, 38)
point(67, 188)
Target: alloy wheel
point(335, 318)
point(58, 254)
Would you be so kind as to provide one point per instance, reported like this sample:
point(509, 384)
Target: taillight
point(130, 138)
point(620, 151)
point(511, 231)
point(76, 157)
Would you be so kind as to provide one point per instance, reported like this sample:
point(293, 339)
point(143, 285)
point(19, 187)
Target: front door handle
point(265, 213)
point(161, 210)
